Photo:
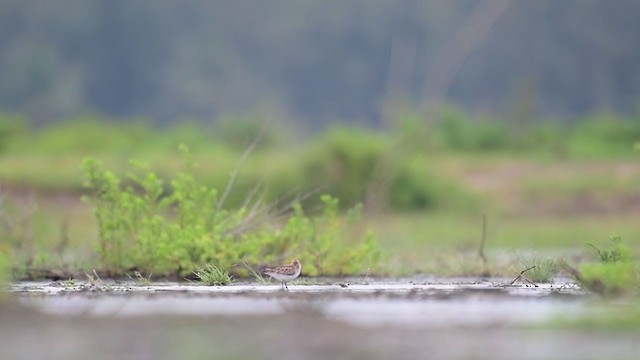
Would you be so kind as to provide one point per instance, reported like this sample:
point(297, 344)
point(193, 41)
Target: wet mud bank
point(416, 303)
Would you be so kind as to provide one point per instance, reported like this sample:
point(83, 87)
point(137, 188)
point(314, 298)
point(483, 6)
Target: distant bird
point(284, 273)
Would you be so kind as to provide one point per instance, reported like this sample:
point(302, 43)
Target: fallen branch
point(521, 276)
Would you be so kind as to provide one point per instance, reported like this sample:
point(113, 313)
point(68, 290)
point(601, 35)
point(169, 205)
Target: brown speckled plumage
point(285, 273)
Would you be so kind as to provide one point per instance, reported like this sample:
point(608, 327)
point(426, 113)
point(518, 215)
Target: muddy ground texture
point(416, 318)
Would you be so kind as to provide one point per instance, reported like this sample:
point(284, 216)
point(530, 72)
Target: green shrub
point(342, 160)
point(11, 126)
point(154, 228)
point(143, 226)
point(458, 131)
point(416, 187)
point(86, 134)
point(547, 136)
point(314, 239)
point(347, 161)
point(604, 135)
point(614, 273)
point(618, 252)
point(610, 278)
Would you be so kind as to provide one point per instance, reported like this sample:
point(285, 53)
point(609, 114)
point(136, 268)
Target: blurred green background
point(430, 114)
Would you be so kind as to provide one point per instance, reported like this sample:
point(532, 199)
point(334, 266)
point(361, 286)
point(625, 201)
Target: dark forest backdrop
point(316, 61)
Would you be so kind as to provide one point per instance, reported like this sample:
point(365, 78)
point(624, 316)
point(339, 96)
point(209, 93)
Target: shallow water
point(414, 318)
point(458, 302)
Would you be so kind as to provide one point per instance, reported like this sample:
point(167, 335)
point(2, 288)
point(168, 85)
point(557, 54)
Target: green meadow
point(125, 195)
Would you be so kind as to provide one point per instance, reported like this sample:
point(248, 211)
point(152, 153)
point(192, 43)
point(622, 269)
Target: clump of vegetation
point(542, 270)
point(141, 279)
point(211, 275)
point(618, 252)
point(257, 275)
point(344, 160)
point(457, 130)
point(615, 272)
point(20, 234)
point(175, 228)
point(349, 161)
point(314, 240)
point(609, 278)
point(93, 278)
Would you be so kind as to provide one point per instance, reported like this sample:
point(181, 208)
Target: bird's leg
point(285, 286)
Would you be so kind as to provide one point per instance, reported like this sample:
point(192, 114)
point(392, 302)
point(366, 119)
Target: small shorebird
point(284, 273)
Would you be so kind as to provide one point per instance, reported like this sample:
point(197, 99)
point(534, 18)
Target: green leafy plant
point(212, 275)
point(618, 252)
point(317, 241)
point(146, 224)
point(614, 273)
point(609, 278)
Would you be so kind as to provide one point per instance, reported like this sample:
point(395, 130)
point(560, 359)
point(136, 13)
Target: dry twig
point(521, 276)
point(483, 240)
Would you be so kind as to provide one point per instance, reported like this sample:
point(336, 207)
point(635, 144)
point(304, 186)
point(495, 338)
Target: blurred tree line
point(313, 60)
